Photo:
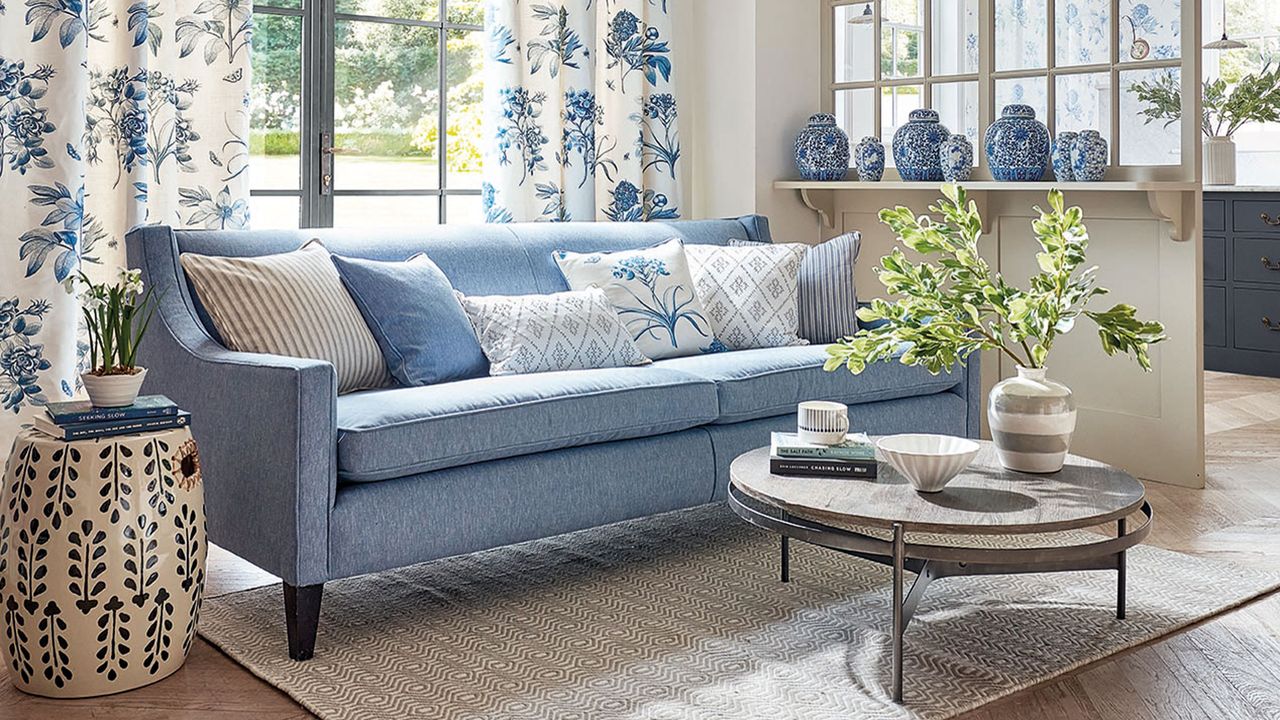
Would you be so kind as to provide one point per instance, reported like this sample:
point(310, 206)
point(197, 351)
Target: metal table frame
point(934, 562)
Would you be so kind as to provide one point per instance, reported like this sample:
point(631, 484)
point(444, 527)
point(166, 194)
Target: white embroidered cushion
point(522, 334)
point(653, 293)
point(750, 293)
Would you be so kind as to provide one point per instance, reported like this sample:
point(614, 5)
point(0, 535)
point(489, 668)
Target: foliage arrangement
point(956, 305)
point(1255, 98)
point(117, 316)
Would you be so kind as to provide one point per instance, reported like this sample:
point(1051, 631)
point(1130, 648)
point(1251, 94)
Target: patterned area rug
point(682, 617)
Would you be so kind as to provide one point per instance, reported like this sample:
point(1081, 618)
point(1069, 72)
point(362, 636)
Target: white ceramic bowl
point(929, 462)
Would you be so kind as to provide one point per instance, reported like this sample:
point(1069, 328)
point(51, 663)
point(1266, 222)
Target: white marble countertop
point(1243, 188)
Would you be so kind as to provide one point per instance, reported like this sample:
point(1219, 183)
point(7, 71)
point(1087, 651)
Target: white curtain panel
point(581, 112)
point(113, 113)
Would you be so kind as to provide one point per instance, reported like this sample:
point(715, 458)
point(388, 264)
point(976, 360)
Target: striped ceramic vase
point(1031, 421)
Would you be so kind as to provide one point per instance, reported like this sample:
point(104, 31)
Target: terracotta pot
point(113, 390)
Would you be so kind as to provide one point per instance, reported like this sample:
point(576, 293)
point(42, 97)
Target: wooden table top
point(984, 499)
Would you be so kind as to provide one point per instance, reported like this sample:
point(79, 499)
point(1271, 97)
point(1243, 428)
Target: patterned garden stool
point(102, 552)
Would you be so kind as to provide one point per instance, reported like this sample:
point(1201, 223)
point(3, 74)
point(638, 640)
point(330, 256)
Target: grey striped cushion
point(828, 301)
point(292, 304)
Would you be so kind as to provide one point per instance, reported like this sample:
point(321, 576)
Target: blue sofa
point(314, 487)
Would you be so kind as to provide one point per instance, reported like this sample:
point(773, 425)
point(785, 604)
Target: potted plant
point(1256, 98)
point(116, 317)
point(951, 305)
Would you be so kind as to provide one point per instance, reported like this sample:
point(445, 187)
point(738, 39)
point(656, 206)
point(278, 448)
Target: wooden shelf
point(1103, 186)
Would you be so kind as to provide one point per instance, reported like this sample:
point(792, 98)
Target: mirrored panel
point(955, 37)
point(1150, 30)
point(1024, 91)
point(957, 106)
point(856, 113)
point(1150, 133)
point(854, 47)
point(1083, 102)
point(385, 211)
point(901, 35)
point(1022, 30)
point(896, 104)
point(1082, 31)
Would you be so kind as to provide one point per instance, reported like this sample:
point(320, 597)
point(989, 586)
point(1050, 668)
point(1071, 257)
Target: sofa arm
point(265, 424)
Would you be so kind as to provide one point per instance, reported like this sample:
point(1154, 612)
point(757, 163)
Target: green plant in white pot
point(952, 304)
point(116, 316)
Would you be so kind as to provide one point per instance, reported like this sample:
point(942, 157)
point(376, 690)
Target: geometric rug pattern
point(682, 617)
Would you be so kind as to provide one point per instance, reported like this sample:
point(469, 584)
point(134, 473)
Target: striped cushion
point(292, 304)
point(828, 301)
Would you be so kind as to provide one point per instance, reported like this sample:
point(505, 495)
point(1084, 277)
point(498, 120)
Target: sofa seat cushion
point(763, 383)
point(404, 431)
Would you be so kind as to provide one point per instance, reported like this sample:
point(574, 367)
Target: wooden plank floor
point(1221, 669)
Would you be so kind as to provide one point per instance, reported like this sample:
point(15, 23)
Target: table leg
point(1120, 574)
point(899, 552)
point(786, 559)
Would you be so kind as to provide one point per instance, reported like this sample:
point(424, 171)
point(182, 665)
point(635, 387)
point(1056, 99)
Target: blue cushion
point(767, 382)
point(423, 332)
point(393, 433)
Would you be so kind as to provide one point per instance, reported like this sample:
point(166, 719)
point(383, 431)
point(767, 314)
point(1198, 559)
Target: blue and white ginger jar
point(956, 157)
point(822, 149)
point(868, 158)
point(1061, 156)
point(916, 146)
point(1089, 156)
point(1017, 145)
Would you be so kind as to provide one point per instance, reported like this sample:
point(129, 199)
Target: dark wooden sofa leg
point(302, 617)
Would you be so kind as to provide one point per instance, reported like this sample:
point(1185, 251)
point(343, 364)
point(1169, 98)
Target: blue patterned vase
point(916, 146)
point(868, 157)
point(1017, 145)
point(956, 157)
point(1061, 155)
point(1089, 156)
point(822, 149)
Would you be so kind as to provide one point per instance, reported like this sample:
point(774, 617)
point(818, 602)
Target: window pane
point(1083, 29)
point(361, 211)
point(955, 37)
point(466, 12)
point(401, 9)
point(1150, 30)
point(896, 103)
point(1150, 133)
point(1084, 103)
point(854, 43)
point(901, 31)
point(465, 210)
point(856, 113)
point(957, 106)
point(386, 93)
point(268, 213)
point(275, 103)
point(1022, 29)
point(1025, 91)
point(465, 114)
point(290, 4)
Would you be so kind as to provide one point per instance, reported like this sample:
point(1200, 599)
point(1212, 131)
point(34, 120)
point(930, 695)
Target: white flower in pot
point(949, 309)
point(117, 316)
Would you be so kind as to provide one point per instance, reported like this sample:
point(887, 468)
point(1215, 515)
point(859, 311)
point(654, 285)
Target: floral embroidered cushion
point(653, 293)
point(750, 293)
point(523, 334)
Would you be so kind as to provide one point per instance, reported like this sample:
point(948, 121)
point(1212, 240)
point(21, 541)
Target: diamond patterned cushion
point(828, 298)
point(750, 293)
point(543, 333)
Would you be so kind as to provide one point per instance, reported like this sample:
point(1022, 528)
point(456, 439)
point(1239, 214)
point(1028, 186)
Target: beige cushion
point(290, 304)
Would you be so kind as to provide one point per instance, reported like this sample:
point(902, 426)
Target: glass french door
point(366, 112)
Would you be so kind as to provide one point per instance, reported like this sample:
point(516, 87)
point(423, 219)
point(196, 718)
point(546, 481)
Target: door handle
point(1268, 264)
point(1270, 324)
point(1273, 222)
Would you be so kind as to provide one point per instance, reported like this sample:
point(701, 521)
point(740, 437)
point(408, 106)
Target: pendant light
point(865, 18)
point(1225, 43)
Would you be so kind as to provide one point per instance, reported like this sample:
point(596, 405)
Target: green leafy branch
point(956, 305)
point(1255, 98)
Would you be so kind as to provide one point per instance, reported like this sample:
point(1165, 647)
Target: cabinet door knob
point(1271, 325)
point(1269, 264)
point(1270, 220)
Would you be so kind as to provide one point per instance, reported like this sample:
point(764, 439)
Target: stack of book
point(853, 458)
point(81, 420)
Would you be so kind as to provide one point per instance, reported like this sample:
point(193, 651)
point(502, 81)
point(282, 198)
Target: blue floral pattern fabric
point(113, 113)
point(582, 120)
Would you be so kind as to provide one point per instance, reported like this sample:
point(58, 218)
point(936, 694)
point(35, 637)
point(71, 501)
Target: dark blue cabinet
point(1242, 282)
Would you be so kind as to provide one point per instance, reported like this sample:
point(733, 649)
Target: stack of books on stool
point(855, 457)
point(82, 421)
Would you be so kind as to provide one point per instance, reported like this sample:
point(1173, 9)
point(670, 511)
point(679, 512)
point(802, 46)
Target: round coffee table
point(986, 499)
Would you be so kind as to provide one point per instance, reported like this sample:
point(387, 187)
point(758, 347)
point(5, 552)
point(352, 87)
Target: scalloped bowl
point(929, 462)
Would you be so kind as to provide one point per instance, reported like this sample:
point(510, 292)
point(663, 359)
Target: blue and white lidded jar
point(1061, 156)
point(1017, 145)
point(868, 158)
point(1089, 156)
point(916, 146)
point(822, 149)
point(956, 157)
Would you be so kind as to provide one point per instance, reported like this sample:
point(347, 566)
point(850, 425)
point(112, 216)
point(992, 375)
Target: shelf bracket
point(826, 210)
point(1177, 208)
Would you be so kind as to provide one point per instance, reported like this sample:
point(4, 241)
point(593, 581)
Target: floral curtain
point(112, 113)
point(581, 111)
